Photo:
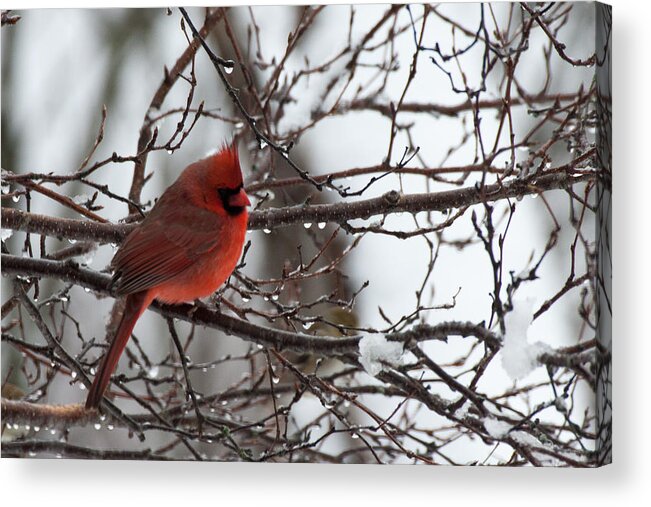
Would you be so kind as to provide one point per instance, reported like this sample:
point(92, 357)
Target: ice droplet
point(109, 427)
point(152, 372)
point(97, 426)
point(274, 297)
point(15, 198)
point(266, 231)
point(263, 144)
point(245, 299)
point(228, 66)
point(322, 225)
point(73, 374)
point(307, 225)
point(80, 199)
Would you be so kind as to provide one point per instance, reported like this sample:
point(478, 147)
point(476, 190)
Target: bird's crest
point(227, 161)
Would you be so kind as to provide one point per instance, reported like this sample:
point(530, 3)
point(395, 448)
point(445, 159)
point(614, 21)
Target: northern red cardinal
point(183, 250)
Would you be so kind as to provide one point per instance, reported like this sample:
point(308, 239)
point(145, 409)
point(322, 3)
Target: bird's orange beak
point(239, 200)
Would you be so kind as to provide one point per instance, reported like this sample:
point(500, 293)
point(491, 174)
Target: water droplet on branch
point(228, 66)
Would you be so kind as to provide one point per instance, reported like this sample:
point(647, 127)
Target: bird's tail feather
point(135, 304)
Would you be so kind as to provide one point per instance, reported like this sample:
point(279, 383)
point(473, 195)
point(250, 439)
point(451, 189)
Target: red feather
point(185, 249)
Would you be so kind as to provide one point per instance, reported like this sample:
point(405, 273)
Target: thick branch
point(46, 416)
point(67, 228)
point(266, 336)
point(20, 449)
point(277, 338)
point(341, 212)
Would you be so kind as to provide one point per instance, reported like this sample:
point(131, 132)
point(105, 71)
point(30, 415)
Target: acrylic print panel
point(394, 247)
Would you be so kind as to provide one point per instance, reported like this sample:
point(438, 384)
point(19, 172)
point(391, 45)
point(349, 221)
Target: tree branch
point(342, 212)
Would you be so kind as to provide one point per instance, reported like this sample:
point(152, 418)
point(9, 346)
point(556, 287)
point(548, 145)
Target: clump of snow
point(374, 349)
point(462, 411)
point(524, 438)
point(519, 357)
point(496, 428)
point(5, 234)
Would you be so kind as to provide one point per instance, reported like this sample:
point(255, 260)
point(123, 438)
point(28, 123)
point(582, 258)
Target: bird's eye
point(225, 193)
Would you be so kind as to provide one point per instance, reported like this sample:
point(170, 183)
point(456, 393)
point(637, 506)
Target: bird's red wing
point(161, 249)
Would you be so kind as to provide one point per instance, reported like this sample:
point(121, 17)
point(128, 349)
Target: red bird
point(183, 250)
